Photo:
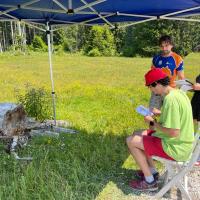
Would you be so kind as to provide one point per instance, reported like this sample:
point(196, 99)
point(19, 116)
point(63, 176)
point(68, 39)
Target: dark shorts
point(153, 146)
point(196, 105)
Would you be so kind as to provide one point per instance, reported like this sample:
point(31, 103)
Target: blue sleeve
point(154, 60)
point(180, 67)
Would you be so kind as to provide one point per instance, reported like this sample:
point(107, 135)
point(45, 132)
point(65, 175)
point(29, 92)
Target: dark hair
point(165, 38)
point(153, 84)
point(164, 82)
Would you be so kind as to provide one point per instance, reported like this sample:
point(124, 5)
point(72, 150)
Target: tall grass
point(98, 96)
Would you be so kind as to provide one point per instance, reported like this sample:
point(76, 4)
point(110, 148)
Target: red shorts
point(153, 146)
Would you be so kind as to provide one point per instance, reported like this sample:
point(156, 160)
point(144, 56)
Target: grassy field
point(98, 97)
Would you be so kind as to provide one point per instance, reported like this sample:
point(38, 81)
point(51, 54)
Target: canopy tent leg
point(51, 36)
point(51, 73)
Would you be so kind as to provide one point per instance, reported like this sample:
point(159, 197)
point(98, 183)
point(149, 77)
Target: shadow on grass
point(92, 163)
point(73, 166)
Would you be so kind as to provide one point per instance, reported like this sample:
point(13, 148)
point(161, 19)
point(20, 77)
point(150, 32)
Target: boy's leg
point(149, 159)
point(136, 147)
point(141, 147)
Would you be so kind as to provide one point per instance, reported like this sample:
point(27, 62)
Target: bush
point(58, 49)
point(66, 46)
point(128, 51)
point(94, 52)
point(38, 44)
point(36, 103)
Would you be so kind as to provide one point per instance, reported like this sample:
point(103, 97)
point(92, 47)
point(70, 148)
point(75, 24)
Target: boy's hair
point(164, 82)
point(165, 38)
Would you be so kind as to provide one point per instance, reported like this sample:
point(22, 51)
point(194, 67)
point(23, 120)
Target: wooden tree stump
point(13, 120)
point(13, 127)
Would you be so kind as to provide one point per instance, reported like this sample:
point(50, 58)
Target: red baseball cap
point(154, 75)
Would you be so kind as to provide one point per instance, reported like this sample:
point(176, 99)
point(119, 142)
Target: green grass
point(98, 96)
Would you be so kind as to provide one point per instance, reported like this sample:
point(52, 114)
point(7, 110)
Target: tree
point(101, 40)
point(142, 39)
point(67, 38)
point(129, 48)
point(119, 34)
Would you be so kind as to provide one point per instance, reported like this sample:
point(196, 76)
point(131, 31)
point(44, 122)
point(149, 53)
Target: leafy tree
point(38, 44)
point(119, 34)
point(129, 47)
point(142, 39)
point(100, 38)
point(67, 37)
point(82, 36)
point(187, 37)
point(59, 36)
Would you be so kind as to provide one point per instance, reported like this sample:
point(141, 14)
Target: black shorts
point(196, 105)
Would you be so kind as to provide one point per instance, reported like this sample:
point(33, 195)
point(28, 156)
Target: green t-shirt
point(176, 113)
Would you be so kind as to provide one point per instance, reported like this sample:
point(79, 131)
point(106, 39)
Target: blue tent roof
point(96, 11)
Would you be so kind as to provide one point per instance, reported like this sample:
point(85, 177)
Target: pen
point(189, 82)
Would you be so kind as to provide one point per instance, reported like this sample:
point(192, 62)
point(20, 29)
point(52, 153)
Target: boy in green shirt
point(173, 135)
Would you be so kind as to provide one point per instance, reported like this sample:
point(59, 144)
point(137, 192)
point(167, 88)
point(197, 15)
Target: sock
point(149, 179)
point(153, 170)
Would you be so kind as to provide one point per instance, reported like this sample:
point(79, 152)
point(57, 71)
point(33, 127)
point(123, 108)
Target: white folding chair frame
point(177, 171)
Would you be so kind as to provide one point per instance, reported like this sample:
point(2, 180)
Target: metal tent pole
point(51, 36)
point(51, 72)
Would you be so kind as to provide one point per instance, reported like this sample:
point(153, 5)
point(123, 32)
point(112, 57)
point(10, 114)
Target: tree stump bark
point(13, 128)
point(13, 120)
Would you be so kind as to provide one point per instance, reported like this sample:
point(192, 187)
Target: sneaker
point(140, 175)
point(197, 164)
point(142, 185)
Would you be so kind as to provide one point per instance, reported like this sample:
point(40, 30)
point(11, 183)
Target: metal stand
point(51, 72)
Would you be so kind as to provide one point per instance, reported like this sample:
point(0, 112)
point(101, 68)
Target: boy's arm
point(172, 132)
point(180, 75)
point(171, 123)
point(180, 68)
point(196, 86)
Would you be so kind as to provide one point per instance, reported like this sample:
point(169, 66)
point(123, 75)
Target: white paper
point(186, 87)
point(180, 83)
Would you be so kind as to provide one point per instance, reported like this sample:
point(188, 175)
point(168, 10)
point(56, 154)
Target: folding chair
point(176, 172)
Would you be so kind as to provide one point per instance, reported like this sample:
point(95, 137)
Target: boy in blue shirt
point(170, 63)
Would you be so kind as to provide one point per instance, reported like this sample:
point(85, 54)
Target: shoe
point(142, 185)
point(140, 175)
point(197, 164)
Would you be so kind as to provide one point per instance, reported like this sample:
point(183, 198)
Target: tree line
point(138, 40)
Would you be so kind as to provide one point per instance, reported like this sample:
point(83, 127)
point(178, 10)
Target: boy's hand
point(155, 111)
point(148, 119)
point(196, 86)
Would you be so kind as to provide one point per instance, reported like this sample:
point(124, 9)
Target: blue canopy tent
point(51, 13)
